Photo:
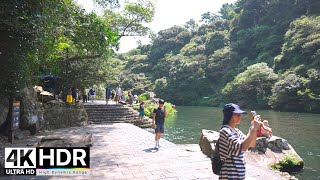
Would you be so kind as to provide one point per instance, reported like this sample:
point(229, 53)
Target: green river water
point(300, 129)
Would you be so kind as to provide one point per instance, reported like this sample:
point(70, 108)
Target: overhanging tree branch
point(124, 30)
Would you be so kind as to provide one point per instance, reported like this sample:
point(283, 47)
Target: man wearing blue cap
point(232, 142)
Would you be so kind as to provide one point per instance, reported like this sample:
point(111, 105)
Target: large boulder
point(78, 140)
point(36, 116)
point(275, 144)
point(207, 141)
point(43, 96)
point(32, 111)
point(271, 151)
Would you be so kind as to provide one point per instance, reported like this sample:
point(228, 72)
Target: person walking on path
point(158, 117)
point(141, 111)
point(118, 94)
point(233, 143)
point(108, 93)
point(92, 92)
point(130, 99)
point(84, 95)
point(113, 95)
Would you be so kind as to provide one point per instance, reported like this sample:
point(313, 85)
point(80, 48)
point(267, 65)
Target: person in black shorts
point(158, 117)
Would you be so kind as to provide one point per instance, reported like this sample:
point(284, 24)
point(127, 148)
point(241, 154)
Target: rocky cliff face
point(267, 152)
point(4, 109)
point(32, 111)
point(37, 115)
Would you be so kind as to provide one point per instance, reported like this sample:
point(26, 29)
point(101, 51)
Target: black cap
point(161, 101)
point(229, 110)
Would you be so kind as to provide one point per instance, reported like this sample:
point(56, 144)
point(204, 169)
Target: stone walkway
point(124, 151)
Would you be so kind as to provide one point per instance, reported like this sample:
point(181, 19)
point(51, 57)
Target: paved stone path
point(124, 151)
point(131, 155)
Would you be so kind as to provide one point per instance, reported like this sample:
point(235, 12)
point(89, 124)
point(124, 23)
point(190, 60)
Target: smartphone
point(255, 115)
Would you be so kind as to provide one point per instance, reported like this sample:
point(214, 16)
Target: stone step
point(114, 112)
point(106, 122)
point(105, 107)
point(106, 113)
point(110, 117)
point(113, 117)
point(108, 110)
point(102, 114)
point(113, 120)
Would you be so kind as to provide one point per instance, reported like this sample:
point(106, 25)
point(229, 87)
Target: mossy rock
point(290, 163)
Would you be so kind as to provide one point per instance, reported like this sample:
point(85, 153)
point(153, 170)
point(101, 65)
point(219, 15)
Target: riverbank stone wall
point(59, 115)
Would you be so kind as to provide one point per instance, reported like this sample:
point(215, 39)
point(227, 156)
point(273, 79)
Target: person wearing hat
point(233, 143)
point(158, 116)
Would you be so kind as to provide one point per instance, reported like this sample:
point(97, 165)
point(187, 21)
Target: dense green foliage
point(263, 54)
point(259, 53)
point(151, 105)
point(60, 38)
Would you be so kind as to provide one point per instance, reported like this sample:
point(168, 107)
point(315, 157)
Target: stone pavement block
point(182, 178)
point(51, 177)
point(156, 172)
point(139, 178)
point(160, 176)
point(106, 173)
point(145, 174)
point(153, 177)
point(102, 177)
point(202, 175)
point(127, 176)
point(170, 175)
point(133, 171)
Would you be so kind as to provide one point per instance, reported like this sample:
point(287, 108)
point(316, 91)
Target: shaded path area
point(124, 151)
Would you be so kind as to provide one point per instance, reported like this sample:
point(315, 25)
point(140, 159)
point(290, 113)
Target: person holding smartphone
point(233, 143)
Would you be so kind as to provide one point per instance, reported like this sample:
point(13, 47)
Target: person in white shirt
point(118, 94)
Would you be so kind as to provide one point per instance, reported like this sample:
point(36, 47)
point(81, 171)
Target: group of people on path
point(118, 96)
point(85, 97)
